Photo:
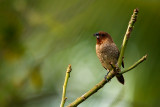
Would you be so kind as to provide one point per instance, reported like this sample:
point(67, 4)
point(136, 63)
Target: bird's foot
point(107, 80)
point(112, 65)
point(115, 67)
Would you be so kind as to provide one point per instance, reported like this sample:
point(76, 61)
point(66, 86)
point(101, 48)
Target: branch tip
point(64, 98)
point(69, 69)
point(136, 10)
point(145, 57)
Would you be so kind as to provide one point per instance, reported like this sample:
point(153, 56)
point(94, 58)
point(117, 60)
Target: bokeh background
point(39, 38)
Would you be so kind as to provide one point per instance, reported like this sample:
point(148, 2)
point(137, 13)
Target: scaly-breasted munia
point(107, 52)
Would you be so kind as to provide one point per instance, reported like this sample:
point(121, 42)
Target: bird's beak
point(96, 35)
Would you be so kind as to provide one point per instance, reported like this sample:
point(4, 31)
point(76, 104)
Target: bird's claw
point(115, 67)
point(107, 80)
point(112, 65)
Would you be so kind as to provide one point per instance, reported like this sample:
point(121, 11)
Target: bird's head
point(102, 37)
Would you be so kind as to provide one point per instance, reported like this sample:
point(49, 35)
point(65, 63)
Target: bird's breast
point(107, 53)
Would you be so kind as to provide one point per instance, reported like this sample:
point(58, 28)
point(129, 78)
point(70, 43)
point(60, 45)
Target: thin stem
point(127, 35)
point(134, 65)
point(65, 85)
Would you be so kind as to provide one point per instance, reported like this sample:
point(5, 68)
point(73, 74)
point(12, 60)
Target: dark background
point(39, 38)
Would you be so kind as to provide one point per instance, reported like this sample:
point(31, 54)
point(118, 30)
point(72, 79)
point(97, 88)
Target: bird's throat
point(100, 40)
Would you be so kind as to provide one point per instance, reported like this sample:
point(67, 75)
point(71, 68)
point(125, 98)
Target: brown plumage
point(107, 52)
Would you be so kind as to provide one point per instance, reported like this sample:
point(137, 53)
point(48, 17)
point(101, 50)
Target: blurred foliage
point(39, 38)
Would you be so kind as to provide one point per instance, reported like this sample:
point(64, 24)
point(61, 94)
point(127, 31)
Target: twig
point(134, 65)
point(65, 85)
point(112, 73)
point(127, 35)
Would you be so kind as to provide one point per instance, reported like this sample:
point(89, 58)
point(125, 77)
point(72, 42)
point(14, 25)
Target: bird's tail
point(120, 78)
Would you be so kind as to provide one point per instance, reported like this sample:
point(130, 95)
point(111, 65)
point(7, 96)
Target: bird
point(107, 52)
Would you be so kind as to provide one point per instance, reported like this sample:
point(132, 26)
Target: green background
point(39, 38)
